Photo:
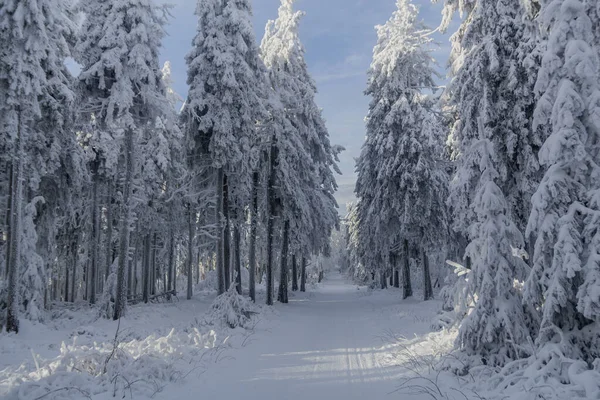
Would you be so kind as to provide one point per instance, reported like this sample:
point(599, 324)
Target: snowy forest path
point(324, 345)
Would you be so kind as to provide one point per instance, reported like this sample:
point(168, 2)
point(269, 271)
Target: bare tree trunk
point(110, 257)
point(303, 275)
point(218, 215)
point(126, 216)
point(9, 216)
point(190, 260)
point(238, 257)
point(428, 289)
point(14, 266)
point(139, 252)
point(294, 274)
point(66, 289)
point(226, 234)
point(171, 272)
point(382, 279)
point(270, 219)
point(391, 278)
point(95, 239)
point(197, 265)
point(146, 269)
point(530, 247)
point(396, 274)
point(155, 270)
point(132, 266)
point(253, 230)
point(75, 262)
point(283, 279)
point(406, 284)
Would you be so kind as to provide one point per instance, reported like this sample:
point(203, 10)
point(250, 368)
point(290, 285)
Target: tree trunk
point(171, 274)
point(219, 223)
point(66, 289)
point(282, 297)
point(406, 284)
point(530, 247)
point(391, 278)
point(132, 266)
point(155, 271)
point(110, 257)
point(294, 274)
point(9, 216)
point(197, 265)
point(428, 289)
point(238, 257)
point(126, 217)
point(69, 284)
point(395, 279)
point(382, 279)
point(303, 275)
point(14, 266)
point(270, 220)
point(138, 252)
point(95, 238)
point(75, 262)
point(190, 259)
point(253, 230)
point(226, 234)
point(146, 269)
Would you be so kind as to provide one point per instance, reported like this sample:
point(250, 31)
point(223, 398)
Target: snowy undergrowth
point(232, 310)
point(421, 352)
point(136, 357)
point(546, 375)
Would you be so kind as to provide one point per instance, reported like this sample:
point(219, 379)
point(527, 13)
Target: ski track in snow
point(329, 343)
point(324, 345)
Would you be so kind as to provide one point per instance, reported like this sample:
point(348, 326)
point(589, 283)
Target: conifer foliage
point(565, 279)
point(113, 198)
point(395, 210)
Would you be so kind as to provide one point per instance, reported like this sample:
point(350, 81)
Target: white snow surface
point(337, 341)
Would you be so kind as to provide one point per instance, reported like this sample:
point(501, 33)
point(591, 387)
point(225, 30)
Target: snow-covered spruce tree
point(401, 151)
point(501, 37)
point(160, 168)
point(306, 159)
point(121, 87)
point(33, 46)
point(224, 103)
point(565, 280)
point(495, 169)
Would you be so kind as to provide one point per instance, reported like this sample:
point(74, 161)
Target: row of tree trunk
point(273, 212)
point(137, 272)
point(407, 290)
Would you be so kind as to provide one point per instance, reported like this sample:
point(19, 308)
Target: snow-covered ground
point(336, 341)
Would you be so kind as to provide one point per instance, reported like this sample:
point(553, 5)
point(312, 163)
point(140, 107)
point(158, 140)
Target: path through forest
point(329, 344)
point(336, 341)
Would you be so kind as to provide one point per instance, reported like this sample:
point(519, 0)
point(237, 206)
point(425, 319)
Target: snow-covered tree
point(121, 86)
point(224, 103)
point(565, 282)
point(494, 64)
point(33, 46)
point(401, 151)
point(306, 160)
point(494, 148)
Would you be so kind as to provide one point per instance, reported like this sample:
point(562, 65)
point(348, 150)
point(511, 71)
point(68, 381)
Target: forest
point(477, 201)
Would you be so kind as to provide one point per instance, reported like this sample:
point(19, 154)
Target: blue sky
point(339, 36)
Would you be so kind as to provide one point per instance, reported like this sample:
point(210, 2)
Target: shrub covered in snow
point(120, 367)
point(456, 298)
point(231, 309)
